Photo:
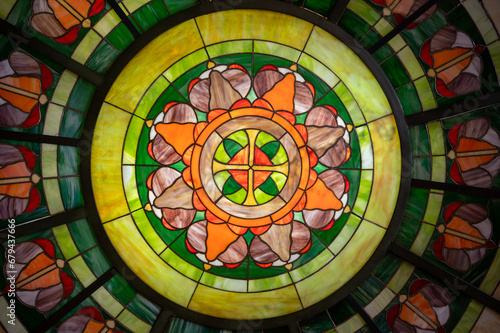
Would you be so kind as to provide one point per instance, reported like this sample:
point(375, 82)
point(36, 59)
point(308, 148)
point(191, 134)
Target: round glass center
point(250, 167)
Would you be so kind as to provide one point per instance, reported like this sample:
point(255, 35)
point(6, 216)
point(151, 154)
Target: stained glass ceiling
point(213, 166)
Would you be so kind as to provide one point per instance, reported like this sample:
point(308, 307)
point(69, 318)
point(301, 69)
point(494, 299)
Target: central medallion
point(250, 167)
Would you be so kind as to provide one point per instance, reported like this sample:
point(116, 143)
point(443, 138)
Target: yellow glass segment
point(106, 160)
point(387, 171)
point(146, 264)
point(151, 61)
point(274, 303)
point(351, 70)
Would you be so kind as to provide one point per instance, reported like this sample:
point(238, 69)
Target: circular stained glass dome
point(256, 166)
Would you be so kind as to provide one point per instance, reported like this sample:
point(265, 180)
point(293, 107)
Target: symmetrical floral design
point(87, 319)
point(249, 166)
point(40, 281)
point(401, 9)
point(466, 235)
point(23, 81)
point(455, 62)
point(475, 153)
point(425, 309)
point(61, 19)
point(18, 194)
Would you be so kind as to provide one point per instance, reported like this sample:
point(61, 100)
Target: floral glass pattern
point(455, 61)
point(87, 319)
point(424, 309)
point(62, 19)
point(401, 9)
point(250, 166)
point(466, 235)
point(23, 81)
point(38, 276)
point(475, 153)
point(18, 194)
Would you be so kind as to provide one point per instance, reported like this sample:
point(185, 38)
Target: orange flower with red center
point(249, 166)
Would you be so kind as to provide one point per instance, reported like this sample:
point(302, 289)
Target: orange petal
point(199, 128)
point(186, 158)
point(166, 224)
point(149, 181)
point(186, 175)
point(212, 218)
point(242, 103)
point(281, 95)
point(288, 116)
point(313, 158)
point(237, 230)
point(260, 230)
point(313, 176)
point(320, 197)
point(302, 130)
point(168, 106)
point(285, 220)
point(219, 237)
point(260, 103)
point(197, 203)
point(150, 150)
point(301, 204)
point(179, 136)
point(311, 87)
point(214, 114)
point(192, 83)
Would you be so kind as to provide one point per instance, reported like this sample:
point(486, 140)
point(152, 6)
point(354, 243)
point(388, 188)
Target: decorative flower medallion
point(249, 167)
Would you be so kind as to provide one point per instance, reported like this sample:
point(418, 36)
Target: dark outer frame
point(207, 7)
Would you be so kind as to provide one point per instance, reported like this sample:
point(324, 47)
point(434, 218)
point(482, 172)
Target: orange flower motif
point(88, 319)
point(455, 62)
point(401, 9)
point(249, 166)
point(23, 81)
point(475, 153)
point(425, 309)
point(465, 237)
point(39, 280)
point(18, 194)
point(61, 19)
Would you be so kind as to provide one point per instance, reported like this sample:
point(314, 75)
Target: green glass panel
point(367, 291)
point(349, 104)
point(72, 124)
point(221, 178)
point(386, 268)
point(323, 7)
point(262, 197)
point(71, 192)
point(65, 241)
point(341, 311)
point(232, 147)
point(419, 141)
point(395, 71)
point(186, 63)
point(353, 24)
point(275, 49)
point(102, 58)
point(82, 271)
point(279, 179)
point(242, 59)
point(241, 138)
point(407, 232)
point(263, 138)
point(436, 138)
point(150, 14)
point(97, 261)
point(175, 6)
point(421, 168)
point(81, 96)
point(148, 231)
point(345, 235)
point(364, 192)
point(69, 160)
point(269, 283)
point(120, 37)
point(231, 186)
point(318, 323)
point(370, 39)
point(238, 196)
point(178, 325)
point(308, 259)
point(181, 265)
point(383, 53)
point(434, 205)
point(280, 157)
point(322, 80)
point(409, 99)
point(261, 60)
point(239, 46)
point(270, 149)
point(269, 187)
point(416, 202)
point(81, 230)
point(144, 309)
point(120, 288)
